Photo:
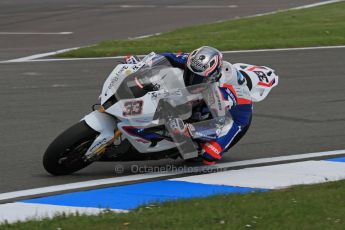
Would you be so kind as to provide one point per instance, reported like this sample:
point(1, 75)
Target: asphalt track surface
point(92, 21)
point(305, 113)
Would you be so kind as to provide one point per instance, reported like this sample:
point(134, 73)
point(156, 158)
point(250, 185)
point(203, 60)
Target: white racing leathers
point(230, 105)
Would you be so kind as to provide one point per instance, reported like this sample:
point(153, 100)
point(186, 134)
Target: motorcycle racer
point(194, 103)
point(205, 65)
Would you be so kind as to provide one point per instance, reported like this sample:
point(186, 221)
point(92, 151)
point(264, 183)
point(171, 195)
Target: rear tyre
point(65, 154)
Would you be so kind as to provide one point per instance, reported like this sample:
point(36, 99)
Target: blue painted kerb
point(337, 159)
point(132, 196)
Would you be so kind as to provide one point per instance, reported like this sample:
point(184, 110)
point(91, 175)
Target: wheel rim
point(74, 155)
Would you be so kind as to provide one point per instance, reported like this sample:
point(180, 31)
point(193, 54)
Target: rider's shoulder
point(176, 59)
point(175, 55)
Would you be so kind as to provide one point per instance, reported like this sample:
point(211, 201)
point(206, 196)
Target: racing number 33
point(133, 108)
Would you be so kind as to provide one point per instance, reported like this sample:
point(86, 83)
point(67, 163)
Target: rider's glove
point(179, 127)
point(211, 152)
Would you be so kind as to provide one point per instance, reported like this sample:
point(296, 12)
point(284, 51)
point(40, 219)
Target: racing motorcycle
point(133, 120)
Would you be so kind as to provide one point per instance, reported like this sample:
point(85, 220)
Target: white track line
point(35, 33)
point(281, 158)
point(33, 58)
point(284, 49)
point(144, 36)
point(178, 6)
point(133, 178)
point(220, 6)
point(201, 7)
point(316, 4)
point(137, 6)
point(294, 8)
point(37, 56)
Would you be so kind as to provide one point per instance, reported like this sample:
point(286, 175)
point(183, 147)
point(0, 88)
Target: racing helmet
point(204, 65)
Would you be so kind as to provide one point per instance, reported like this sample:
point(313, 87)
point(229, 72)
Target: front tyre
point(65, 154)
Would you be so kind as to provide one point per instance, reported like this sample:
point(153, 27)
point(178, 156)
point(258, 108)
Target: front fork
point(106, 126)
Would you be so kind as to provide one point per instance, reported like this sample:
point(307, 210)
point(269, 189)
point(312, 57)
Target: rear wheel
point(65, 154)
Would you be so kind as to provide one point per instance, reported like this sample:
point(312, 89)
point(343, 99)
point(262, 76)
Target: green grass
point(303, 207)
point(323, 25)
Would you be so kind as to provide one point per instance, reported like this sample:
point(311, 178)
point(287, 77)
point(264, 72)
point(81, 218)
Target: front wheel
point(65, 154)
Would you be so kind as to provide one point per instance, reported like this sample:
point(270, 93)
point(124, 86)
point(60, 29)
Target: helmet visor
point(191, 78)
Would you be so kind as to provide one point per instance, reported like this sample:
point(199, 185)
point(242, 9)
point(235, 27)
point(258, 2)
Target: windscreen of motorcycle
point(127, 81)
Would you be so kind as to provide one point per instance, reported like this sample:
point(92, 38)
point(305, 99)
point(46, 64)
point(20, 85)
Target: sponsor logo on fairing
point(116, 77)
point(142, 141)
point(99, 144)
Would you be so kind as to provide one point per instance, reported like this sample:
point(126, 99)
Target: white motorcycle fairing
point(105, 125)
point(131, 114)
point(146, 112)
point(114, 117)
